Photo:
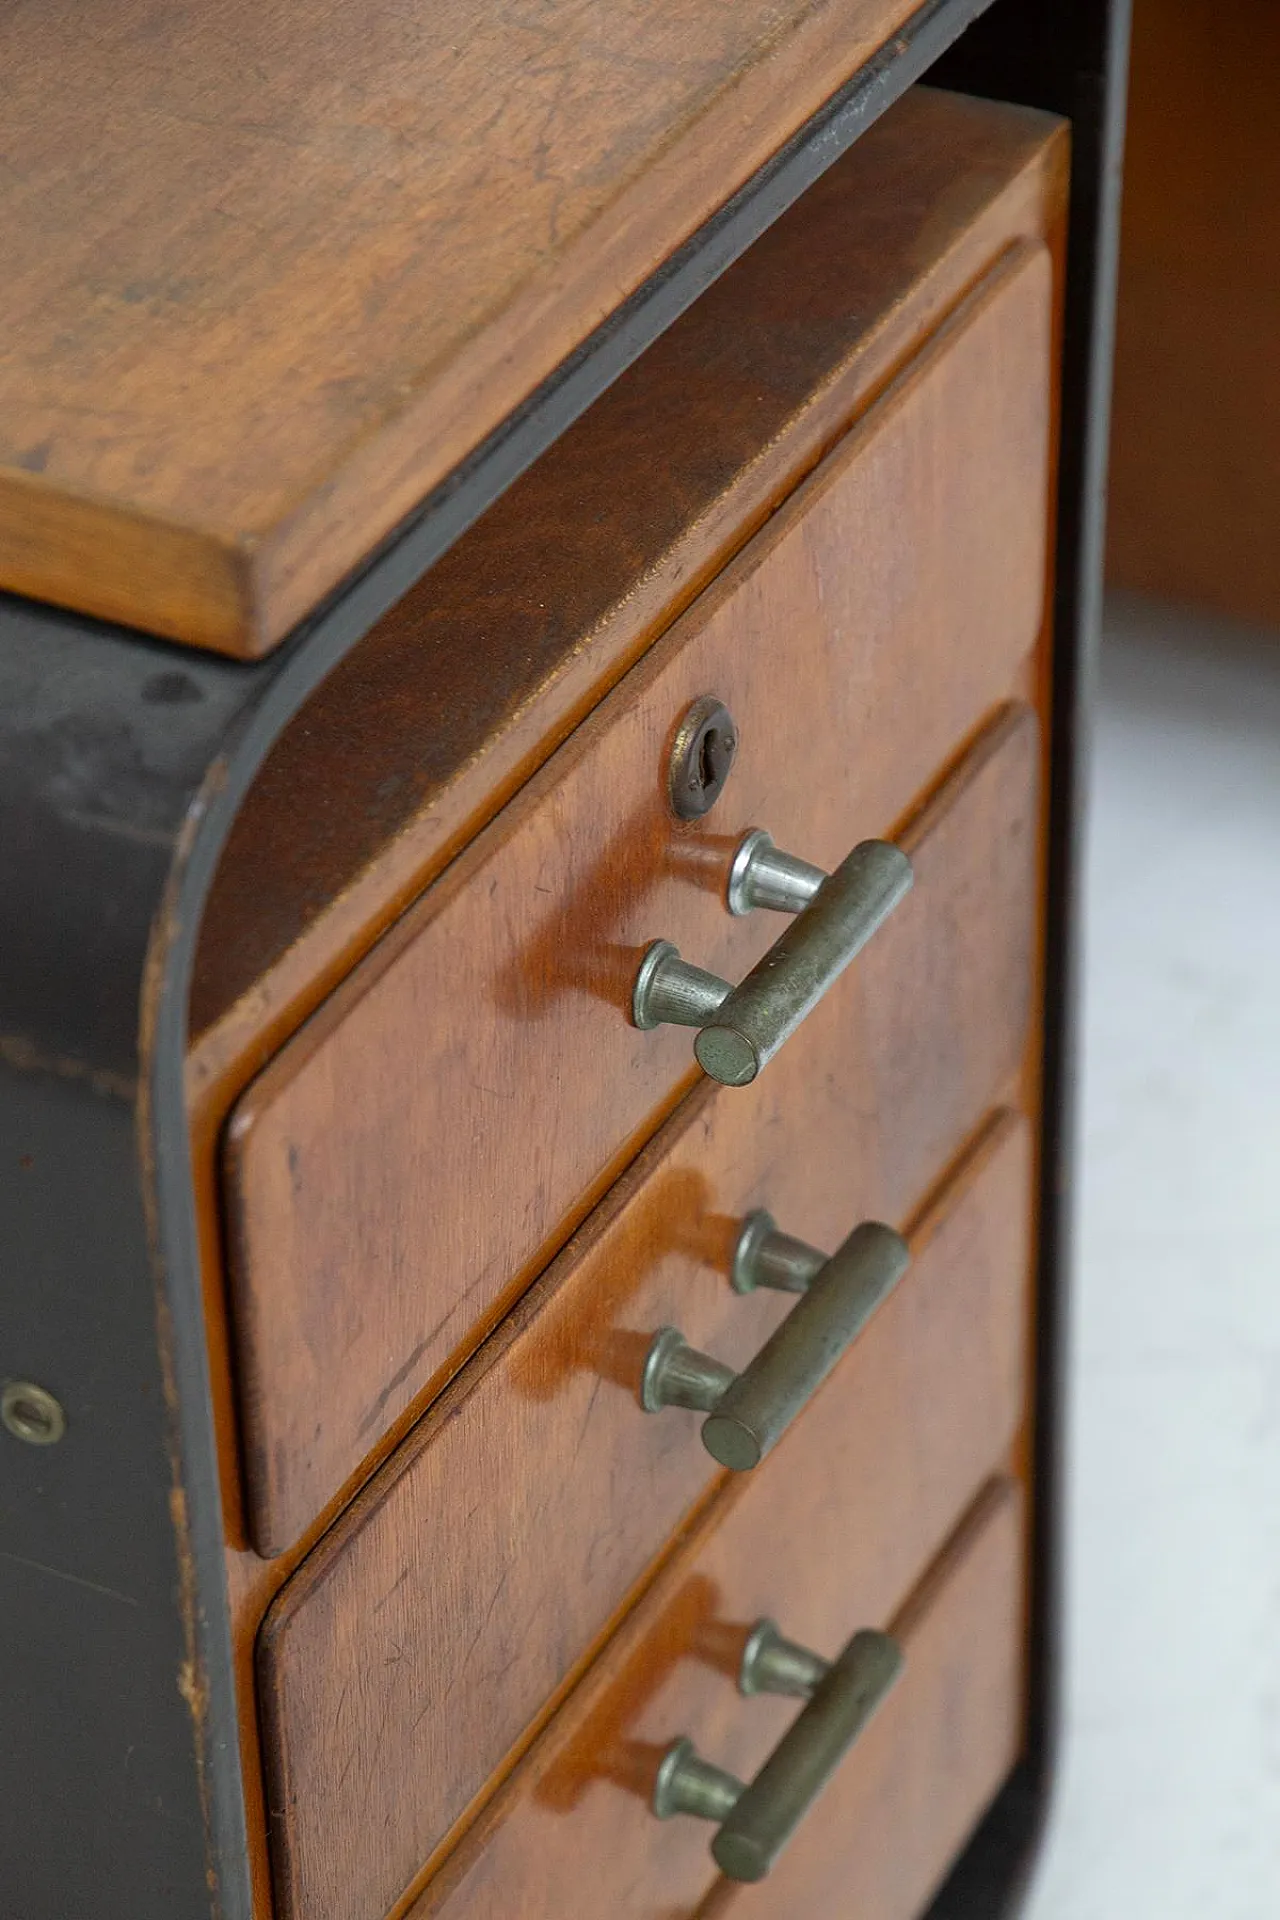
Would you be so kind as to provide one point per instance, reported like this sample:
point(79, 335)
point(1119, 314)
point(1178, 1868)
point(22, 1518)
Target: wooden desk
point(527, 458)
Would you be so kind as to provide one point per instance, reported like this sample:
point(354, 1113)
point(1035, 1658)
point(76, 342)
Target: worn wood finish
point(303, 262)
point(930, 1024)
point(927, 1766)
point(417, 1644)
point(896, 1817)
point(389, 1189)
point(425, 728)
point(1194, 496)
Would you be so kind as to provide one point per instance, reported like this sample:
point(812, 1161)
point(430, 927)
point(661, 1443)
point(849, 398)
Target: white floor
point(1169, 1807)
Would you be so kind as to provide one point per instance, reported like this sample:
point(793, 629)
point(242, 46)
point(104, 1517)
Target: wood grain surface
point(271, 272)
point(431, 722)
point(1194, 492)
point(947, 184)
point(571, 1835)
point(412, 1650)
point(929, 1024)
point(407, 1164)
point(882, 1839)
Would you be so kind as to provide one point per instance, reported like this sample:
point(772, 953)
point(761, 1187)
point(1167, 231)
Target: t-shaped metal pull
point(756, 1821)
point(742, 1027)
point(748, 1412)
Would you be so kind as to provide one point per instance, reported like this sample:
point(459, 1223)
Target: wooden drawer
point(426, 1635)
point(408, 1162)
point(466, 686)
point(571, 1835)
point(897, 1816)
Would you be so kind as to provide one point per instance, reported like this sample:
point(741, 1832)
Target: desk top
point(271, 271)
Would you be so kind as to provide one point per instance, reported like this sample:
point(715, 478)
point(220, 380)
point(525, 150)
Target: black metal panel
point(105, 739)
point(122, 762)
point(100, 1809)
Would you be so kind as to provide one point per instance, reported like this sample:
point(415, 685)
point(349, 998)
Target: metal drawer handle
point(748, 1412)
point(836, 914)
point(756, 1821)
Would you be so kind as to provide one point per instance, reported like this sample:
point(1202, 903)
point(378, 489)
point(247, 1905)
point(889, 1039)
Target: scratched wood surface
point(935, 1013)
point(882, 1836)
point(429, 725)
point(299, 261)
point(408, 1163)
point(881, 1840)
point(410, 1653)
point(571, 1835)
point(954, 182)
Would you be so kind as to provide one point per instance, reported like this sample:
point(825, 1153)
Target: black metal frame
point(122, 763)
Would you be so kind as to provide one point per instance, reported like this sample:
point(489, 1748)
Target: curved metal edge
point(1070, 57)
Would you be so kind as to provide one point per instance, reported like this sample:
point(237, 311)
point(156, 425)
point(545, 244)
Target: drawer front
point(571, 1835)
point(402, 1169)
point(897, 1816)
point(414, 1652)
